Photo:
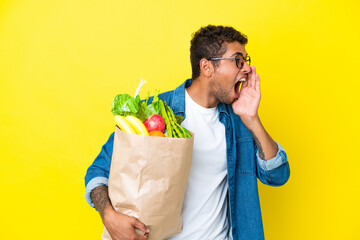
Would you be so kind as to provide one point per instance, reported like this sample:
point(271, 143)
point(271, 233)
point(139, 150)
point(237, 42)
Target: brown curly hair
point(211, 41)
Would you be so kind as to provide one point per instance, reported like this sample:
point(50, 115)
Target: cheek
point(230, 73)
point(225, 69)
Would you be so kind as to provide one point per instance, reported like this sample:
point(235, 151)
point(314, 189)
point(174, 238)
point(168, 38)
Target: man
point(231, 147)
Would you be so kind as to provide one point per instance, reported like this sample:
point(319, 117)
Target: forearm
point(100, 198)
point(265, 144)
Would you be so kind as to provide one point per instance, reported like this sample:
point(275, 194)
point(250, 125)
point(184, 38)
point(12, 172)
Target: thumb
point(140, 226)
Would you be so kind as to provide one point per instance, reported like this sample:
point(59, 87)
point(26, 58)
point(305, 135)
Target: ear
point(206, 67)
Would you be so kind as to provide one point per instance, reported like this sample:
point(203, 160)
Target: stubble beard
point(220, 93)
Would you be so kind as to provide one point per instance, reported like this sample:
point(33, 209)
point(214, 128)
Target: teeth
point(242, 79)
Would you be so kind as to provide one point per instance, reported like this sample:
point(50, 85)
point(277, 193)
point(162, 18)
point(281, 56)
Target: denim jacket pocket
point(245, 156)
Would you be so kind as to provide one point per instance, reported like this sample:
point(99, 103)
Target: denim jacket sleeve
point(275, 171)
point(98, 173)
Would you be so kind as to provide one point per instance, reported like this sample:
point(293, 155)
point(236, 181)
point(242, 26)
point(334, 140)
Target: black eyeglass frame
point(237, 60)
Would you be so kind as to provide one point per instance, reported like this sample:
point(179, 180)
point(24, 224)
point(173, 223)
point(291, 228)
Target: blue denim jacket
point(243, 163)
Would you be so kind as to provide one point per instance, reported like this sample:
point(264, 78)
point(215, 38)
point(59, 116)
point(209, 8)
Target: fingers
point(139, 234)
point(140, 226)
point(138, 237)
point(122, 226)
point(252, 77)
point(257, 82)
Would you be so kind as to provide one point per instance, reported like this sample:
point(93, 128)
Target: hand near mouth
point(247, 105)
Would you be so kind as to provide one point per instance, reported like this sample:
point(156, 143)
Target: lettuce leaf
point(124, 104)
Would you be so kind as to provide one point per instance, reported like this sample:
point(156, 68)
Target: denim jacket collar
point(178, 102)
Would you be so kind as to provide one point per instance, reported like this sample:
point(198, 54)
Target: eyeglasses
point(239, 59)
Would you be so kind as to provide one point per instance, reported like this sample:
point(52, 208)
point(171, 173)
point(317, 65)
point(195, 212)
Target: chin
point(226, 97)
point(228, 101)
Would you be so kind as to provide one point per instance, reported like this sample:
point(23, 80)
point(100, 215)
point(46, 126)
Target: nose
point(246, 68)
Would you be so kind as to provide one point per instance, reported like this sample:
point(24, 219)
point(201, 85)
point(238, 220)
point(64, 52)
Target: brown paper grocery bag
point(148, 178)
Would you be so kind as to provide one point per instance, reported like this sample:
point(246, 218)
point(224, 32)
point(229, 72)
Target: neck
point(199, 91)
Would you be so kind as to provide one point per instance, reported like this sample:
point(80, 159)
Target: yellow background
point(62, 62)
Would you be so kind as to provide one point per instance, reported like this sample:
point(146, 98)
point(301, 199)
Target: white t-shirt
point(205, 206)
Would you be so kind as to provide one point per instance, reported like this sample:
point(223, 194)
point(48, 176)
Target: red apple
point(155, 123)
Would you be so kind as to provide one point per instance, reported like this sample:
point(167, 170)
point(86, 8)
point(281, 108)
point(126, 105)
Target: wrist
point(108, 214)
point(251, 122)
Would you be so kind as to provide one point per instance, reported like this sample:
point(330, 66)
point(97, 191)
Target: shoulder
point(165, 96)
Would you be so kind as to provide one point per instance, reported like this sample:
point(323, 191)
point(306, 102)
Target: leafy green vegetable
point(124, 104)
point(154, 107)
point(142, 106)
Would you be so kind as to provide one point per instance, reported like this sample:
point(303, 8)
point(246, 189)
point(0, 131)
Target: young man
point(231, 147)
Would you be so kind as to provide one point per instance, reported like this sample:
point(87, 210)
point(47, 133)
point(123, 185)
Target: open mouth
point(238, 85)
point(237, 88)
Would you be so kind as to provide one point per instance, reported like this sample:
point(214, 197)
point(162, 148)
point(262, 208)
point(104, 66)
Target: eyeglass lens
point(240, 61)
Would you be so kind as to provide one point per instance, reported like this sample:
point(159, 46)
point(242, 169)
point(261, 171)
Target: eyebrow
point(239, 53)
